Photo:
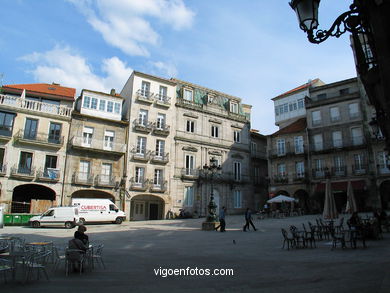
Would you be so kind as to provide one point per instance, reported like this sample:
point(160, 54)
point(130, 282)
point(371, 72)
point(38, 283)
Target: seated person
point(80, 234)
point(76, 253)
point(354, 220)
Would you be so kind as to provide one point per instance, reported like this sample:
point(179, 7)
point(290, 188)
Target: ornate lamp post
point(210, 172)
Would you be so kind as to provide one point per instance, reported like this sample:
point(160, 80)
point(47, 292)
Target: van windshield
point(48, 213)
point(113, 207)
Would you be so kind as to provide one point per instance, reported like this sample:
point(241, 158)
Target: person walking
point(222, 223)
point(248, 220)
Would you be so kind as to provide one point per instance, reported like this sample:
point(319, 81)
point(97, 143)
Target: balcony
point(97, 145)
point(280, 179)
point(142, 126)
point(188, 104)
point(34, 106)
point(339, 171)
point(23, 172)
point(3, 170)
point(259, 155)
point(48, 174)
point(40, 139)
point(300, 177)
point(144, 96)
point(331, 145)
point(160, 130)
point(105, 180)
point(139, 185)
point(288, 150)
point(190, 174)
point(383, 169)
point(237, 116)
point(360, 169)
point(159, 158)
point(5, 133)
point(82, 178)
point(140, 154)
point(319, 173)
point(159, 187)
point(163, 101)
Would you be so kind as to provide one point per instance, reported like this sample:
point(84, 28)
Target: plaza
point(133, 252)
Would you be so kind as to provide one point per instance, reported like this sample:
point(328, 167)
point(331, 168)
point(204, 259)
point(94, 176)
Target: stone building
point(97, 146)
point(34, 126)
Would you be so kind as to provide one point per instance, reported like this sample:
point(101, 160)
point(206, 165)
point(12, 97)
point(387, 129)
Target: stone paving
point(134, 250)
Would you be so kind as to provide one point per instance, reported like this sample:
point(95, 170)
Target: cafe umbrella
point(351, 202)
point(330, 211)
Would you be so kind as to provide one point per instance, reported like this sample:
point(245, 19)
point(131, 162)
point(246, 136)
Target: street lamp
point(210, 171)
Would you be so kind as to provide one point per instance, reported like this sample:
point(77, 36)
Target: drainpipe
point(66, 161)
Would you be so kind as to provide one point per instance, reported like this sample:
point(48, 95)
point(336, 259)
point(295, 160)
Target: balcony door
point(84, 170)
point(55, 132)
point(190, 164)
point(143, 117)
point(160, 145)
point(141, 145)
point(87, 136)
point(106, 173)
point(25, 163)
point(30, 129)
point(160, 121)
point(139, 175)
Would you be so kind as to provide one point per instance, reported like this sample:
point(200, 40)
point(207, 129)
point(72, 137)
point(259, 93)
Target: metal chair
point(57, 257)
point(37, 262)
point(75, 259)
point(288, 240)
point(5, 266)
point(97, 255)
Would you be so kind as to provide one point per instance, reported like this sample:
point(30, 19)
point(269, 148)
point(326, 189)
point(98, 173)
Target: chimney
point(54, 83)
point(112, 93)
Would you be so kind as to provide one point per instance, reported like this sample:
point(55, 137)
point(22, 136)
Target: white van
point(59, 216)
point(98, 210)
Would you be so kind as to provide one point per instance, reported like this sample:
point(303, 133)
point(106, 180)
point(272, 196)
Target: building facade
point(35, 120)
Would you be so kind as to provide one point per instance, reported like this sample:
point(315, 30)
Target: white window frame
point(353, 110)
point(143, 117)
point(190, 126)
point(282, 171)
point(298, 144)
point(160, 124)
point(188, 94)
point(188, 196)
point(141, 145)
point(160, 148)
point(87, 136)
point(189, 162)
point(237, 197)
point(357, 139)
point(158, 177)
point(139, 175)
point(237, 171)
point(86, 101)
point(106, 173)
point(234, 107)
point(237, 136)
point(109, 136)
point(214, 131)
point(316, 117)
point(334, 114)
point(300, 169)
point(281, 146)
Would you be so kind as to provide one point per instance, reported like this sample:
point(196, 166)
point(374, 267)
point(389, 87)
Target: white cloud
point(126, 24)
point(66, 67)
point(162, 68)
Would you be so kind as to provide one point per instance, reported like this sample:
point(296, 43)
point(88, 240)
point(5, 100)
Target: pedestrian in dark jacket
point(222, 223)
point(248, 220)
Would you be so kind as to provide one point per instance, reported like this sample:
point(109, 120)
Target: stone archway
point(282, 192)
point(147, 207)
point(93, 193)
point(384, 191)
point(32, 198)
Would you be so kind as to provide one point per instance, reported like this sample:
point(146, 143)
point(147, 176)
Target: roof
point(116, 95)
point(55, 90)
point(299, 88)
point(294, 127)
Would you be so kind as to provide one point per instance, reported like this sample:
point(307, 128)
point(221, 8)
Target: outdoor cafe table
point(42, 246)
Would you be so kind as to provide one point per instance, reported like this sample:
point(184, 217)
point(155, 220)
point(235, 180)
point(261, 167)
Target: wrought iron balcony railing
point(97, 144)
point(144, 96)
point(48, 174)
point(162, 100)
point(82, 178)
point(159, 186)
point(105, 180)
point(142, 126)
point(139, 184)
point(140, 154)
point(39, 138)
point(23, 171)
point(161, 158)
point(160, 129)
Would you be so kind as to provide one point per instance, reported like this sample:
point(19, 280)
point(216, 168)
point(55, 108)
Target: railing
point(287, 150)
point(160, 158)
point(319, 173)
point(360, 169)
point(97, 144)
point(259, 154)
point(36, 106)
point(339, 171)
point(336, 144)
point(39, 137)
point(82, 178)
point(50, 174)
point(299, 177)
point(144, 96)
point(144, 127)
point(161, 130)
point(104, 180)
point(6, 131)
point(383, 169)
point(140, 154)
point(187, 103)
point(22, 171)
point(162, 100)
point(189, 173)
point(280, 179)
point(159, 187)
point(141, 184)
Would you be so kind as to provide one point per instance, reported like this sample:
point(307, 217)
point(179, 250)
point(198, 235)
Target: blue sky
point(250, 49)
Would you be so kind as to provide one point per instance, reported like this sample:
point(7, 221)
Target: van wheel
point(68, 225)
point(35, 224)
point(82, 221)
point(118, 220)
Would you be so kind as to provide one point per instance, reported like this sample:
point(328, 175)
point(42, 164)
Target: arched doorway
point(93, 193)
point(216, 200)
point(22, 196)
point(146, 207)
point(282, 192)
point(384, 191)
point(303, 199)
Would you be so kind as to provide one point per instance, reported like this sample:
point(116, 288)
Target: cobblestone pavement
point(133, 251)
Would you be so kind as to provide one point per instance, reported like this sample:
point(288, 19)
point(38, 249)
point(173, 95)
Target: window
point(190, 164)
point(86, 102)
point(2, 151)
point(281, 147)
point(106, 172)
point(282, 170)
point(316, 117)
point(94, 102)
point(50, 167)
point(253, 148)
point(55, 132)
point(162, 96)
point(321, 96)
point(256, 175)
point(84, 170)
point(160, 146)
point(298, 143)
point(110, 106)
point(292, 106)
point(237, 199)
point(319, 168)
point(344, 91)
point(277, 110)
point(87, 136)
point(353, 110)
point(318, 143)
point(188, 95)
point(117, 108)
point(237, 171)
point(214, 131)
point(300, 169)
point(190, 127)
point(188, 196)
point(233, 107)
point(141, 145)
point(338, 163)
point(334, 114)
point(160, 121)
point(30, 129)
point(357, 136)
point(359, 165)
point(6, 123)
point(236, 136)
point(102, 105)
point(143, 117)
point(383, 163)
point(108, 139)
point(25, 163)
point(145, 88)
point(337, 139)
point(301, 103)
point(285, 108)
point(158, 177)
point(139, 175)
